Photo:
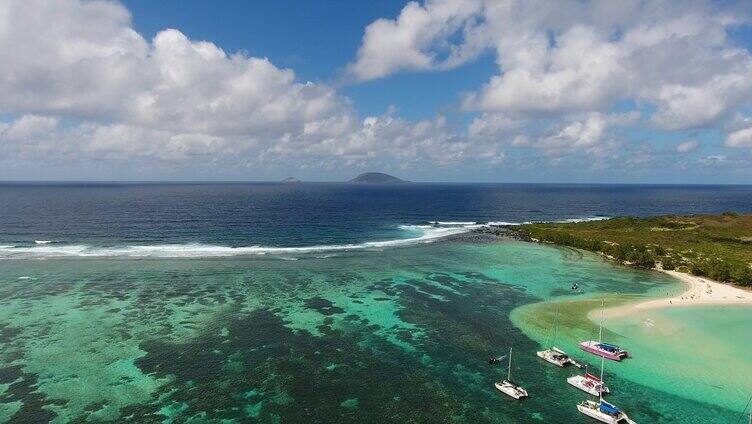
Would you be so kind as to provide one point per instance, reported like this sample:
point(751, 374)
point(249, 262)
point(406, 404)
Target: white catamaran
point(508, 387)
point(589, 383)
point(555, 355)
point(604, 412)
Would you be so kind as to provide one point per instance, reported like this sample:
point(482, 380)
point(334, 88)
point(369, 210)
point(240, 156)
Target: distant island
point(376, 178)
point(291, 180)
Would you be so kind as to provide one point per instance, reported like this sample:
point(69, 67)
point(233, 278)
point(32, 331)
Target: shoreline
point(700, 291)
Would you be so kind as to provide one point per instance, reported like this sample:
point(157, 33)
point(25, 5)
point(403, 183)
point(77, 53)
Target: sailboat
point(508, 387)
point(555, 355)
point(604, 412)
point(589, 383)
point(604, 350)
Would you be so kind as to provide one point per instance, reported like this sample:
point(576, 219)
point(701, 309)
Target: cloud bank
point(574, 62)
point(573, 78)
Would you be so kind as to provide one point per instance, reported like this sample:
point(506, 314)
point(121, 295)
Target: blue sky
point(440, 90)
point(317, 42)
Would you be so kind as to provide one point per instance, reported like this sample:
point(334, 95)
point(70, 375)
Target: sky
point(635, 91)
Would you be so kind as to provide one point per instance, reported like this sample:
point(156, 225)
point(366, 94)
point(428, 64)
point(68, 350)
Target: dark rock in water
point(472, 237)
point(505, 231)
point(291, 180)
point(376, 178)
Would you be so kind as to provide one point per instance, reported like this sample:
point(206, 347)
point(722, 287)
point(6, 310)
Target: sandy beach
point(700, 292)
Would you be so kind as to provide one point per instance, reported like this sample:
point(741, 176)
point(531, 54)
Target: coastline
point(699, 291)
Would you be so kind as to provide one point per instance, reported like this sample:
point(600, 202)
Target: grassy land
point(715, 246)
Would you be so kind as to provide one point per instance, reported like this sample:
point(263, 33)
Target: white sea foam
point(561, 221)
point(42, 241)
point(586, 219)
point(198, 250)
point(506, 223)
point(422, 234)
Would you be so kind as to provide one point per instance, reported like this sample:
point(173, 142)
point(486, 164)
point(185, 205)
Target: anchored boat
point(508, 387)
point(555, 355)
point(604, 350)
point(604, 412)
point(589, 383)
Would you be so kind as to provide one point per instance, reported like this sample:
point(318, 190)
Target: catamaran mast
point(600, 333)
point(600, 391)
point(600, 330)
point(509, 367)
point(556, 325)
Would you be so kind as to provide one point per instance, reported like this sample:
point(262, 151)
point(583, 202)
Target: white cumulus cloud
point(418, 39)
point(687, 146)
point(576, 56)
point(83, 83)
point(740, 138)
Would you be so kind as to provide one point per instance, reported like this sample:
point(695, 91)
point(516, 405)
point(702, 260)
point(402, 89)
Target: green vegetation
point(715, 246)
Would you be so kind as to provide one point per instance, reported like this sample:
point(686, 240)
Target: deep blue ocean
point(280, 303)
point(316, 214)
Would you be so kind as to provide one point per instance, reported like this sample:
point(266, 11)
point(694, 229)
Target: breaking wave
point(419, 234)
point(425, 234)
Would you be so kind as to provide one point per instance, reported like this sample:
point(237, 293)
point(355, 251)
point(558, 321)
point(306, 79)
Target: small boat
point(496, 359)
point(557, 357)
point(604, 412)
point(604, 350)
point(589, 383)
point(508, 387)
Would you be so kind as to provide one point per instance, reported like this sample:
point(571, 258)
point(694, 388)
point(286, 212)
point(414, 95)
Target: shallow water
point(699, 352)
point(395, 335)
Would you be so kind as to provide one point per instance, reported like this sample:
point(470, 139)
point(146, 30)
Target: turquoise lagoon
point(393, 335)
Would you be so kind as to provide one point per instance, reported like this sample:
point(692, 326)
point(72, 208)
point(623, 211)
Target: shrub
point(696, 270)
point(668, 263)
point(642, 259)
point(718, 270)
point(743, 276)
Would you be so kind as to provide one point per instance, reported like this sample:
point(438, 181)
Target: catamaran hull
point(550, 356)
point(604, 418)
point(547, 358)
point(591, 347)
point(511, 391)
point(592, 389)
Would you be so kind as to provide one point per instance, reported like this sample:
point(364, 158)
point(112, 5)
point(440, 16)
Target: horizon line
point(403, 182)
